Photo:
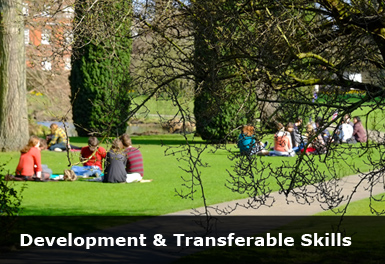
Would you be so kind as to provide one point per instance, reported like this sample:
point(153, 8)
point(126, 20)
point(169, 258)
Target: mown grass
point(159, 106)
point(360, 208)
point(146, 199)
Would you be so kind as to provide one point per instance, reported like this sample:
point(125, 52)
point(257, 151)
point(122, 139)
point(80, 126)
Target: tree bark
point(13, 102)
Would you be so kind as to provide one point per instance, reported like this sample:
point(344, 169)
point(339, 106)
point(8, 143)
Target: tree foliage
point(263, 58)
point(100, 79)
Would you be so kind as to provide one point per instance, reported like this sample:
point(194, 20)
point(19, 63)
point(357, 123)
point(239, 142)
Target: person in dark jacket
point(296, 134)
point(115, 166)
point(359, 131)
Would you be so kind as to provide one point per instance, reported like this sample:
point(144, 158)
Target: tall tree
point(100, 79)
point(13, 103)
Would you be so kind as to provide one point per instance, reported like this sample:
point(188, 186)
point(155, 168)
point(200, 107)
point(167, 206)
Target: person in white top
point(346, 131)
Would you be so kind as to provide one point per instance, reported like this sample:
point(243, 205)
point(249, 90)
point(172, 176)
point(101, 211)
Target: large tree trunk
point(13, 102)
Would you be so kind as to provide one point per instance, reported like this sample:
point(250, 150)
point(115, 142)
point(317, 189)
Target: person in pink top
point(282, 143)
point(92, 157)
point(29, 167)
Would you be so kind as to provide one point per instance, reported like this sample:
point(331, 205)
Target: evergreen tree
point(100, 80)
point(221, 104)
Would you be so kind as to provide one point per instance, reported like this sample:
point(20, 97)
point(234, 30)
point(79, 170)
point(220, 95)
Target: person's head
point(298, 121)
point(117, 145)
point(356, 119)
point(290, 127)
point(280, 127)
point(53, 127)
point(43, 144)
point(318, 121)
point(346, 119)
point(126, 140)
point(33, 141)
point(248, 130)
point(310, 129)
point(93, 143)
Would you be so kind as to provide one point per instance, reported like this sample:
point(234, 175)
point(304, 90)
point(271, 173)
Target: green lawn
point(164, 107)
point(359, 208)
point(372, 117)
point(155, 198)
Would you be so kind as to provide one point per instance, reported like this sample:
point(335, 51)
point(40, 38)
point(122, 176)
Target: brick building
point(48, 34)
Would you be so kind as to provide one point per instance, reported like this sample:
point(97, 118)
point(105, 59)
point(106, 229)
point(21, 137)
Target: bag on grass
point(69, 175)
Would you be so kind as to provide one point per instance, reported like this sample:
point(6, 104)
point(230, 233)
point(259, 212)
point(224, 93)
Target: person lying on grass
point(92, 157)
point(58, 139)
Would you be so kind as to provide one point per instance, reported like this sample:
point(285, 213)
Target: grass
point(359, 208)
point(371, 119)
point(164, 107)
point(147, 199)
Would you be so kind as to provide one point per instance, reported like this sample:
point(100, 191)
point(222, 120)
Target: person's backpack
point(69, 175)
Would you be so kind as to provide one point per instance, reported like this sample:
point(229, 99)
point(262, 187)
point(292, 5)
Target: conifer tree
point(100, 80)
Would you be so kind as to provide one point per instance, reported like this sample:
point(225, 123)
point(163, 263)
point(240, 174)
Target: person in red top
point(134, 165)
point(29, 167)
point(91, 157)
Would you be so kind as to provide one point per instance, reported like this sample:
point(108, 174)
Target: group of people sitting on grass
point(122, 163)
point(289, 141)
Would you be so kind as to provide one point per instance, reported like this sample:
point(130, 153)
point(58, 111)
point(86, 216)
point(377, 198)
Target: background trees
point(262, 60)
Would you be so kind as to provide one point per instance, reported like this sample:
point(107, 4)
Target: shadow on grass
point(149, 140)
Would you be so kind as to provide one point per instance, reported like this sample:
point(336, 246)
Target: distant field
point(164, 107)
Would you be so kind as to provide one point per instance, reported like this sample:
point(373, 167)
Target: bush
point(10, 201)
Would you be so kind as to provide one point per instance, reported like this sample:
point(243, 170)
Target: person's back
point(346, 132)
point(27, 162)
point(282, 142)
point(359, 132)
point(115, 170)
point(296, 134)
point(134, 161)
point(245, 143)
point(29, 166)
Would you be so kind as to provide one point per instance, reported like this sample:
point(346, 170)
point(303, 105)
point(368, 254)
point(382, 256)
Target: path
point(177, 224)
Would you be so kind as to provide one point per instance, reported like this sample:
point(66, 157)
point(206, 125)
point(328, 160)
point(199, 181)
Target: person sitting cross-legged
point(282, 143)
point(359, 132)
point(247, 142)
point(92, 157)
point(134, 165)
point(30, 167)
